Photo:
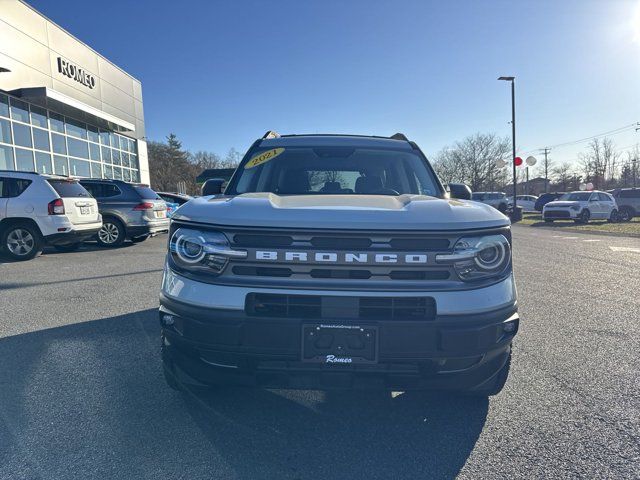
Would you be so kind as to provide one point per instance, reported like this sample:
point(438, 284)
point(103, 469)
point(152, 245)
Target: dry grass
point(631, 228)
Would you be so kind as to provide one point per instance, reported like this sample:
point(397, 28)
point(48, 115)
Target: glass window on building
point(56, 122)
point(96, 170)
point(5, 131)
point(78, 148)
point(39, 117)
point(21, 135)
point(6, 157)
point(24, 160)
point(76, 128)
point(41, 139)
point(106, 154)
point(19, 110)
point(104, 137)
point(117, 173)
point(94, 151)
point(4, 106)
point(59, 144)
point(108, 171)
point(116, 158)
point(43, 163)
point(60, 165)
point(126, 175)
point(79, 168)
point(94, 136)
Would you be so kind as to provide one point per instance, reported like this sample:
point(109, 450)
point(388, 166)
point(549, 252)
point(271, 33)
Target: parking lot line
point(625, 249)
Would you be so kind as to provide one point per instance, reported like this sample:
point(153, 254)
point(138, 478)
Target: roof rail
point(399, 136)
point(271, 134)
point(19, 171)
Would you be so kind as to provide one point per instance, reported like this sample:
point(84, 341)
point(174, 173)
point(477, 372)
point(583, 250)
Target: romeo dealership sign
point(76, 73)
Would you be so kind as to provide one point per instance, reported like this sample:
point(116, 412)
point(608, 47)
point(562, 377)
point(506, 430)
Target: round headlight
point(198, 250)
point(490, 255)
point(189, 248)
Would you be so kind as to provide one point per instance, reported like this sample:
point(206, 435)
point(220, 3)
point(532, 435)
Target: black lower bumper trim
point(73, 236)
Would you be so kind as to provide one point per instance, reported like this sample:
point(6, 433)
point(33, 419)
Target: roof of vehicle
point(499, 193)
point(336, 140)
point(48, 176)
point(113, 180)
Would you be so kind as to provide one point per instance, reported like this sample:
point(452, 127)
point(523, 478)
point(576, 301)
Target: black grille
point(262, 240)
point(557, 214)
point(338, 243)
point(419, 243)
point(330, 307)
point(380, 308)
point(262, 271)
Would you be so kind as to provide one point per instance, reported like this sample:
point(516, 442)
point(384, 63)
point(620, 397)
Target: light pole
point(513, 134)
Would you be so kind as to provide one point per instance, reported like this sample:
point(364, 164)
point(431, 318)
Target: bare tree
point(474, 161)
point(600, 162)
point(562, 175)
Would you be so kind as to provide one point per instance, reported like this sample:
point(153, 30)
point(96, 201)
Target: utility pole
point(513, 136)
point(546, 170)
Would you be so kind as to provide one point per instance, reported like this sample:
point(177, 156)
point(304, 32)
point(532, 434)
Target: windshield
point(335, 171)
point(576, 197)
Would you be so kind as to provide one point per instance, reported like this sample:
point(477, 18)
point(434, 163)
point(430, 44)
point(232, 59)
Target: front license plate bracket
point(339, 344)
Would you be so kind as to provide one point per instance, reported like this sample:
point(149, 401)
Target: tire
point(139, 239)
point(111, 234)
point(21, 241)
point(625, 214)
point(614, 217)
point(170, 378)
point(71, 247)
point(584, 217)
point(548, 220)
point(495, 385)
point(502, 208)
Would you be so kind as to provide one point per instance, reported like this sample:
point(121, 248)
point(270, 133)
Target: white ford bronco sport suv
point(38, 210)
point(338, 261)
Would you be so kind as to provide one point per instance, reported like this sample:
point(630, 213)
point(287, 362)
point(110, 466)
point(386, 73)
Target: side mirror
point(460, 191)
point(212, 186)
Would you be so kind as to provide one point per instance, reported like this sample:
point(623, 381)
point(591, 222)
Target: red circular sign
point(517, 161)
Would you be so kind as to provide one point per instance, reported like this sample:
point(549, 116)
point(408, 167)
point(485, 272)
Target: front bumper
point(560, 214)
point(209, 344)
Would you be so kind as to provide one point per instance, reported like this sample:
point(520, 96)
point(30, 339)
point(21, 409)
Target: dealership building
point(64, 108)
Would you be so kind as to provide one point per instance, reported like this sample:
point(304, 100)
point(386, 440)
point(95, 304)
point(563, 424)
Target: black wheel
point(614, 217)
point(584, 217)
point(21, 241)
point(494, 385)
point(625, 214)
point(71, 247)
point(502, 208)
point(548, 220)
point(139, 239)
point(111, 234)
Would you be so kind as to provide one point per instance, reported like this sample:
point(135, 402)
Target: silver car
point(129, 211)
point(497, 200)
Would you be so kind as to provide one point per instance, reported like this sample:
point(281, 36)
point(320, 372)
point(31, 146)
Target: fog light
point(510, 327)
point(168, 320)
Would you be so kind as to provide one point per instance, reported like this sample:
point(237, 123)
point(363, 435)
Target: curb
point(575, 230)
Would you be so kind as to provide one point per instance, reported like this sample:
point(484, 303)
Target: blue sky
point(219, 74)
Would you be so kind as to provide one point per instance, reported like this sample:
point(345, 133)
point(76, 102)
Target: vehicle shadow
point(95, 391)
point(539, 222)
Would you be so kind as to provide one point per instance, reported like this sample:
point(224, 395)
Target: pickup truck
point(338, 261)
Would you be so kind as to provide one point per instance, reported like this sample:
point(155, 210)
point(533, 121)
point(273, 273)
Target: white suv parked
point(582, 207)
point(38, 210)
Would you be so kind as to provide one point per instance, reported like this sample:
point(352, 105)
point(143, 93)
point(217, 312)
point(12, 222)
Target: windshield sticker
point(263, 157)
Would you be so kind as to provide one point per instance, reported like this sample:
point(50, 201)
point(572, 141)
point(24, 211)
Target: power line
point(610, 132)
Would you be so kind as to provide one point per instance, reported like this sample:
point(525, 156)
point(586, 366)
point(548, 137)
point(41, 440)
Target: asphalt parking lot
point(82, 393)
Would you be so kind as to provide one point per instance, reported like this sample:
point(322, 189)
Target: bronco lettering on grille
point(340, 257)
